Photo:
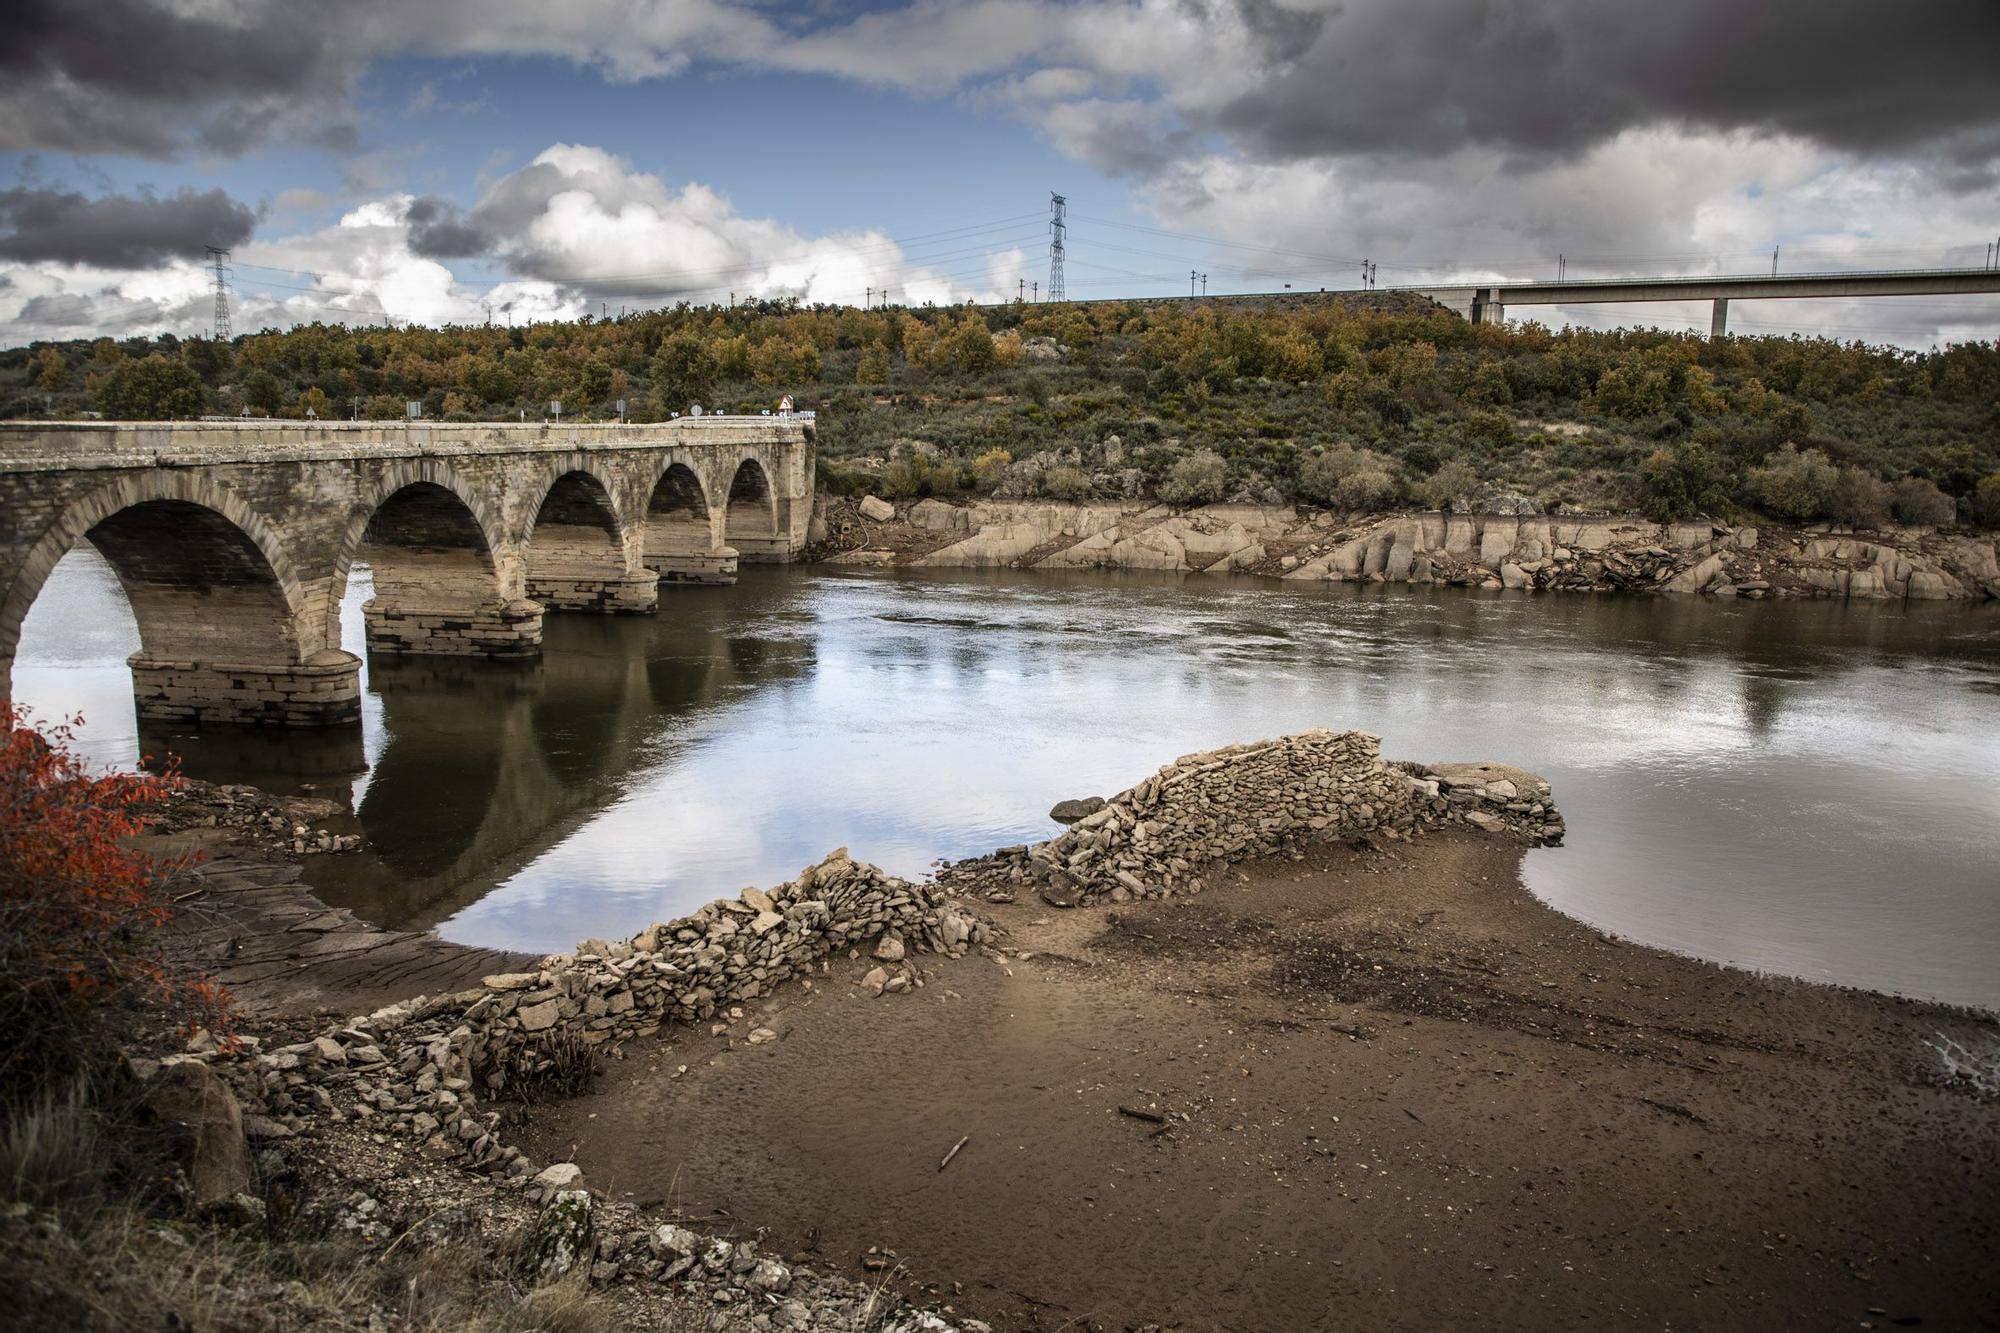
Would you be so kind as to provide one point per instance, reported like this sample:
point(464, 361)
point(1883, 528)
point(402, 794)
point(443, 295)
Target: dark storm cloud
point(118, 230)
point(439, 229)
point(1555, 76)
point(131, 76)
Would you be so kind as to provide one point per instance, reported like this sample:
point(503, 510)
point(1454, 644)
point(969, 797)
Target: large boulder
point(205, 1127)
point(561, 1237)
point(876, 508)
point(1068, 812)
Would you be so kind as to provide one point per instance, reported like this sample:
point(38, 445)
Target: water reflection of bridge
point(484, 768)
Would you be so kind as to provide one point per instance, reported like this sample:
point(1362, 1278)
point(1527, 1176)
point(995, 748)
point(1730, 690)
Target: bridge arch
point(440, 586)
point(396, 479)
point(224, 631)
point(681, 544)
point(577, 552)
point(751, 522)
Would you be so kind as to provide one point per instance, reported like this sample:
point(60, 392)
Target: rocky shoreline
point(1513, 550)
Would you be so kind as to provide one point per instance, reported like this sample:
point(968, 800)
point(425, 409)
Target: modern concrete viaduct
point(1488, 305)
point(233, 540)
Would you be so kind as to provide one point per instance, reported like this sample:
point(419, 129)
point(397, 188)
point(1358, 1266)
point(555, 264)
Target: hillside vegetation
point(1362, 402)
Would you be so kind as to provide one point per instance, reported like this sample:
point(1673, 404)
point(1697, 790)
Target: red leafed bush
point(80, 907)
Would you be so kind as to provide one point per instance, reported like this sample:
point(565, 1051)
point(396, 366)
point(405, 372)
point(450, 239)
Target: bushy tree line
point(1359, 403)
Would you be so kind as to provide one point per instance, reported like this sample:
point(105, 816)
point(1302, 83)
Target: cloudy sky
point(460, 160)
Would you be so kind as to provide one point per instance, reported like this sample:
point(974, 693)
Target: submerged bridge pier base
point(322, 692)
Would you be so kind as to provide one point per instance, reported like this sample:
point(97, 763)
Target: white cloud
point(576, 227)
point(1644, 202)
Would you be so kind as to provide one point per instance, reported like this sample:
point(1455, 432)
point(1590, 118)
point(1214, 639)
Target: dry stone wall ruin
point(1171, 833)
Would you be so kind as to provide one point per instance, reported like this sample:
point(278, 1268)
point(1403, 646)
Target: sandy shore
point(1380, 1088)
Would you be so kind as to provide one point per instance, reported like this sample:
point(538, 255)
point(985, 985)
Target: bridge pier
point(681, 540)
point(753, 521)
point(495, 629)
point(324, 691)
point(692, 563)
point(577, 557)
point(1718, 318)
point(586, 590)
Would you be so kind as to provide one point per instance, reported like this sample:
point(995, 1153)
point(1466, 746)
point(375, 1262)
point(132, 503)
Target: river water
point(1805, 788)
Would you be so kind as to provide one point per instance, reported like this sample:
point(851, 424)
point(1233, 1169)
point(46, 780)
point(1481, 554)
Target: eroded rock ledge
point(1545, 552)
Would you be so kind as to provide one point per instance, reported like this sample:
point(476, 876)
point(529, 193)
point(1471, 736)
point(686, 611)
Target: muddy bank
point(246, 917)
point(1523, 551)
point(1377, 1087)
point(1359, 1078)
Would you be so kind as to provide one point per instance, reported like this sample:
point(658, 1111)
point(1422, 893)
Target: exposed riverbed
point(1805, 787)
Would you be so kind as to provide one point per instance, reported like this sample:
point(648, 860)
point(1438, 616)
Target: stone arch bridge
point(233, 540)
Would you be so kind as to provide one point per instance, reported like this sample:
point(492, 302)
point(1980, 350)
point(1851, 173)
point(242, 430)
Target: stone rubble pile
point(1208, 810)
point(416, 1070)
point(287, 823)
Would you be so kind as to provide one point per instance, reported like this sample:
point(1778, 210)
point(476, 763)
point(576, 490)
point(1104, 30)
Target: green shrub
point(988, 468)
point(1066, 483)
point(1917, 500)
point(1680, 481)
point(1986, 500)
point(1195, 479)
point(1447, 486)
point(1348, 477)
point(1794, 483)
point(907, 476)
point(1860, 499)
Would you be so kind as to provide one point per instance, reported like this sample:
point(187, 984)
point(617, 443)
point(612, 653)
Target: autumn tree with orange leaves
point(81, 909)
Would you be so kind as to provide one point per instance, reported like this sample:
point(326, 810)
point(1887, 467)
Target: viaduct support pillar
point(1718, 320)
point(322, 691)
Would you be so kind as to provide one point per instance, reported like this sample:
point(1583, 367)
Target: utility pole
point(219, 261)
point(1057, 229)
point(1192, 277)
point(1020, 290)
point(1036, 288)
point(487, 306)
point(867, 298)
point(1204, 286)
